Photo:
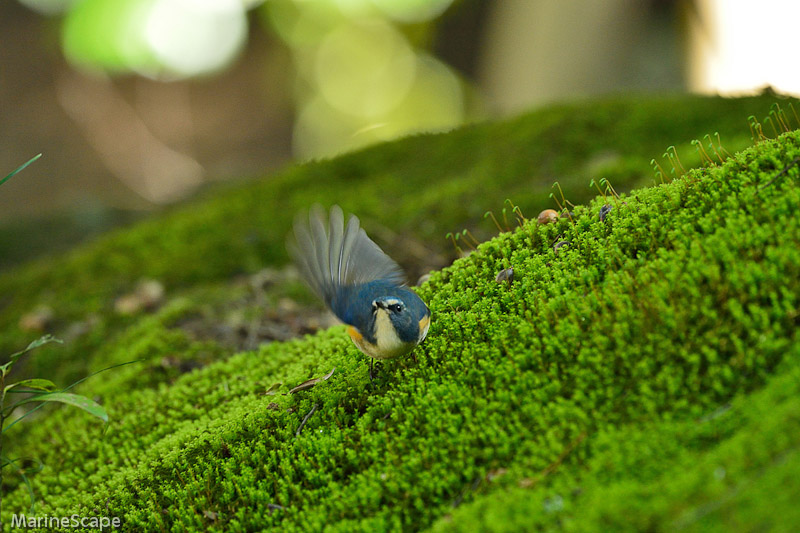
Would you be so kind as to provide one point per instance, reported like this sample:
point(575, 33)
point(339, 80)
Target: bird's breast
point(387, 344)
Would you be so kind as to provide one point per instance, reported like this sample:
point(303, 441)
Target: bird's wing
point(336, 254)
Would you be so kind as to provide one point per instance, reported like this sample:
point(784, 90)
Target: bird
point(359, 283)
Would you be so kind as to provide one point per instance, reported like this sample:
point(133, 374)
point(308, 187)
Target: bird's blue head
point(407, 314)
point(386, 319)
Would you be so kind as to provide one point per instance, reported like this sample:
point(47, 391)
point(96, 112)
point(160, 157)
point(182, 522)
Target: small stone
point(494, 474)
point(37, 320)
point(147, 295)
point(265, 278)
point(559, 244)
point(547, 216)
point(80, 328)
point(287, 305)
point(505, 276)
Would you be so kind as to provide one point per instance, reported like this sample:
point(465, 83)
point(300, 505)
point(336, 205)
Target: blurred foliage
point(362, 68)
point(362, 72)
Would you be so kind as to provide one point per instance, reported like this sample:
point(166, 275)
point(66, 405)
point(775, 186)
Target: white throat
point(389, 344)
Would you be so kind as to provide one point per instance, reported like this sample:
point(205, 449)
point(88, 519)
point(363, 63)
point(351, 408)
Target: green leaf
point(33, 345)
point(76, 400)
point(11, 408)
point(38, 384)
point(19, 168)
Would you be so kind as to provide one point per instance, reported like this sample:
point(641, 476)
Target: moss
point(732, 469)
point(421, 187)
point(564, 399)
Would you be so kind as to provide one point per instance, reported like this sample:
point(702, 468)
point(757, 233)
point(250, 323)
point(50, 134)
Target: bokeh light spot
point(103, 35)
point(364, 68)
point(412, 10)
point(300, 25)
point(353, 8)
point(741, 47)
point(322, 130)
point(155, 38)
point(433, 102)
point(192, 37)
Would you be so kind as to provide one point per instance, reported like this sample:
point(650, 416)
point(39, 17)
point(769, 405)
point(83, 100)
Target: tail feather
point(336, 254)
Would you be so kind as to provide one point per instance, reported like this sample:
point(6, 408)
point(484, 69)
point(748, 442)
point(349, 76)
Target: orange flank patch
point(424, 323)
point(354, 334)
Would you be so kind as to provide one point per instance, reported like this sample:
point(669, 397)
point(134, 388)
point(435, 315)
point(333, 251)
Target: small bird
point(362, 285)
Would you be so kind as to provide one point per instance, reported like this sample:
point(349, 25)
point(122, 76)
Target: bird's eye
point(396, 308)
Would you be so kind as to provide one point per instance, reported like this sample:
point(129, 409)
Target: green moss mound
point(409, 194)
point(639, 372)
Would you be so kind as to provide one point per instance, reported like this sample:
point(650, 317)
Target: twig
point(303, 423)
point(311, 382)
point(781, 173)
point(527, 483)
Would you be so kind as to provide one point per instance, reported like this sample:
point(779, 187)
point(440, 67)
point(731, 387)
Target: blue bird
point(362, 285)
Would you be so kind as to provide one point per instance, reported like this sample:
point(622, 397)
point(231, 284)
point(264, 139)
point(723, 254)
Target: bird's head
point(409, 317)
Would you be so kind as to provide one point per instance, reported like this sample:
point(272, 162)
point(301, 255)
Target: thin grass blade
point(4, 460)
point(20, 168)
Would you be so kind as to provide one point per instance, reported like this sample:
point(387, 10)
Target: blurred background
point(138, 104)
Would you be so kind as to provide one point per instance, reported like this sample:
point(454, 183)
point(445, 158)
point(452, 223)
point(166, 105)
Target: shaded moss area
point(639, 372)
